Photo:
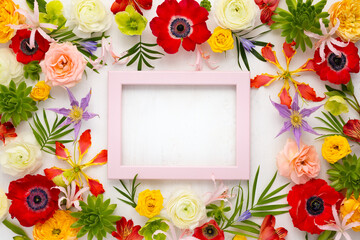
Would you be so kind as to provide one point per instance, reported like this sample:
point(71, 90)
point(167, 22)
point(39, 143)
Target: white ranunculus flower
point(10, 68)
point(236, 15)
point(4, 205)
point(185, 209)
point(21, 156)
point(89, 16)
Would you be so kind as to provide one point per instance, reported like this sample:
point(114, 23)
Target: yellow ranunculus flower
point(150, 203)
point(239, 237)
point(347, 207)
point(8, 16)
point(335, 148)
point(57, 228)
point(40, 92)
point(221, 40)
point(348, 12)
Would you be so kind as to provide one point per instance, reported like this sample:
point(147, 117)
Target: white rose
point(236, 15)
point(4, 205)
point(21, 156)
point(10, 68)
point(89, 16)
point(185, 209)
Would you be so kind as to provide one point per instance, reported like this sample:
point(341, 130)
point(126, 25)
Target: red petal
point(188, 44)
point(52, 172)
point(145, 4)
point(168, 9)
point(289, 51)
point(308, 66)
point(96, 187)
point(119, 6)
point(200, 33)
point(262, 80)
point(84, 142)
point(281, 232)
point(192, 10)
point(61, 152)
point(269, 54)
point(352, 129)
point(266, 15)
point(99, 159)
point(285, 98)
point(308, 93)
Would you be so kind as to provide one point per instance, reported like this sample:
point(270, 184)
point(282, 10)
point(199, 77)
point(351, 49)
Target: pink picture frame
point(241, 82)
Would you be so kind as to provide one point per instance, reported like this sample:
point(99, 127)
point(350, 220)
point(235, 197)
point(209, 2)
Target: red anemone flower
point(337, 69)
point(126, 230)
point(180, 23)
point(209, 230)
point(268, 232)
point(352, 129)
point(311, 205)
point(120, 5)
point(34, 199)
point(7, 129)
point(20, 46)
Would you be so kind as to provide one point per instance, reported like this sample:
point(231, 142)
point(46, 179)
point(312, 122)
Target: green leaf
point(238, 51)
point(240, 233)
point(246, 228)
point(15, 229)
point(254, 187)
point(42, 5)
point(243, 56)
point(266, 190)
point(269, 207)
point(264, 214)
point(131, 193)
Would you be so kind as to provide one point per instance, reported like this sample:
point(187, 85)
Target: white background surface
point(265, 121)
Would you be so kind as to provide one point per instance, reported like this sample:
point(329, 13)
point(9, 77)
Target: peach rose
point(63, 65)
point(299, 166)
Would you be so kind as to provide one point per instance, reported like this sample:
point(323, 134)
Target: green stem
point(15, 229)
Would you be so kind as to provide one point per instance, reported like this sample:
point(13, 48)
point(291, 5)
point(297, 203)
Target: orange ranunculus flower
point(348, 13)
point(8, 16)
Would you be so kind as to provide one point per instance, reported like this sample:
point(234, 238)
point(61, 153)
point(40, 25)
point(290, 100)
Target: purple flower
point(77, 113)
point(245, 216)
point(248, 44)
point(90, 46)
point(295, 118)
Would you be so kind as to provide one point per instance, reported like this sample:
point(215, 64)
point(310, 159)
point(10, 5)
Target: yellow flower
point(347, 207)
point(335, 148)
point(40, 92)
point(56, 228)
point(150, 203)
point(8, 16)
point(221, 40)
point(239, 237)
point(348, 12)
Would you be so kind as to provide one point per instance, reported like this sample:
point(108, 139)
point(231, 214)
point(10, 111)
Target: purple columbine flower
point(77, 113)
point(90, 46)
point(248, 44)
point(295, 118)
point(245, 216)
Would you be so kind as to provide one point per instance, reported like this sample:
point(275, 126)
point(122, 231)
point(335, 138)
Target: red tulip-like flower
point(311, 205)
point(209, 230)
point(120, 5)
point(267, 10)
point(337, 69)
point(268, 232)
point(126, 230)
point(33, 199)
point(180, 23)
point(20, 46)
point(352, 129)
point(7, 129)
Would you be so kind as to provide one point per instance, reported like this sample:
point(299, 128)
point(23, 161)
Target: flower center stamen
point(315, 205)
point(337, 63)
point(180, 27)
point(210, 231)
point(76, 114)
point(56, 231)
point(24, 47)
point(296, 119)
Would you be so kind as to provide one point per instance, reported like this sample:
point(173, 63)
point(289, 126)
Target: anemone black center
point(315, 205)
point(37, 199)
point(180, 27)
point(24, 47)
point(337, 63)
point(210, 231)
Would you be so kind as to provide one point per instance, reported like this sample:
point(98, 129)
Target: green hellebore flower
point(130, 22)
point(54, 14)
point(336, 105)
point(152, 225)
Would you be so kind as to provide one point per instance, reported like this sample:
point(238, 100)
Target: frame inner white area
point(178, 125)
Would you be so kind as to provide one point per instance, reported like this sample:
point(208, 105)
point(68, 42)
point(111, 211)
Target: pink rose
point(63, 65)
point(299, 166)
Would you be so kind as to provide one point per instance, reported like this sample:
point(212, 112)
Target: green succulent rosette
point(301, 17)
point(130, 22)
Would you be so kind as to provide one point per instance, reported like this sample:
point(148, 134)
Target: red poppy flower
point(268, 232)
point(20, 46)
point(7, 129)
point(352, 129)
point(267, 10)
point(180, 23)
point(209, 230)
point(120, 5)
point(33, 199)
point(126, 230)
point(311, 205)
point(337, 69)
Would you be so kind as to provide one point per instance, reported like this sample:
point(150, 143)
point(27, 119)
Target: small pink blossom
point(72, 195)
point(298, 165)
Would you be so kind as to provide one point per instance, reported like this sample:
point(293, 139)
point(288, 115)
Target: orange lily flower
point(77, 167)
point(304, 90)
